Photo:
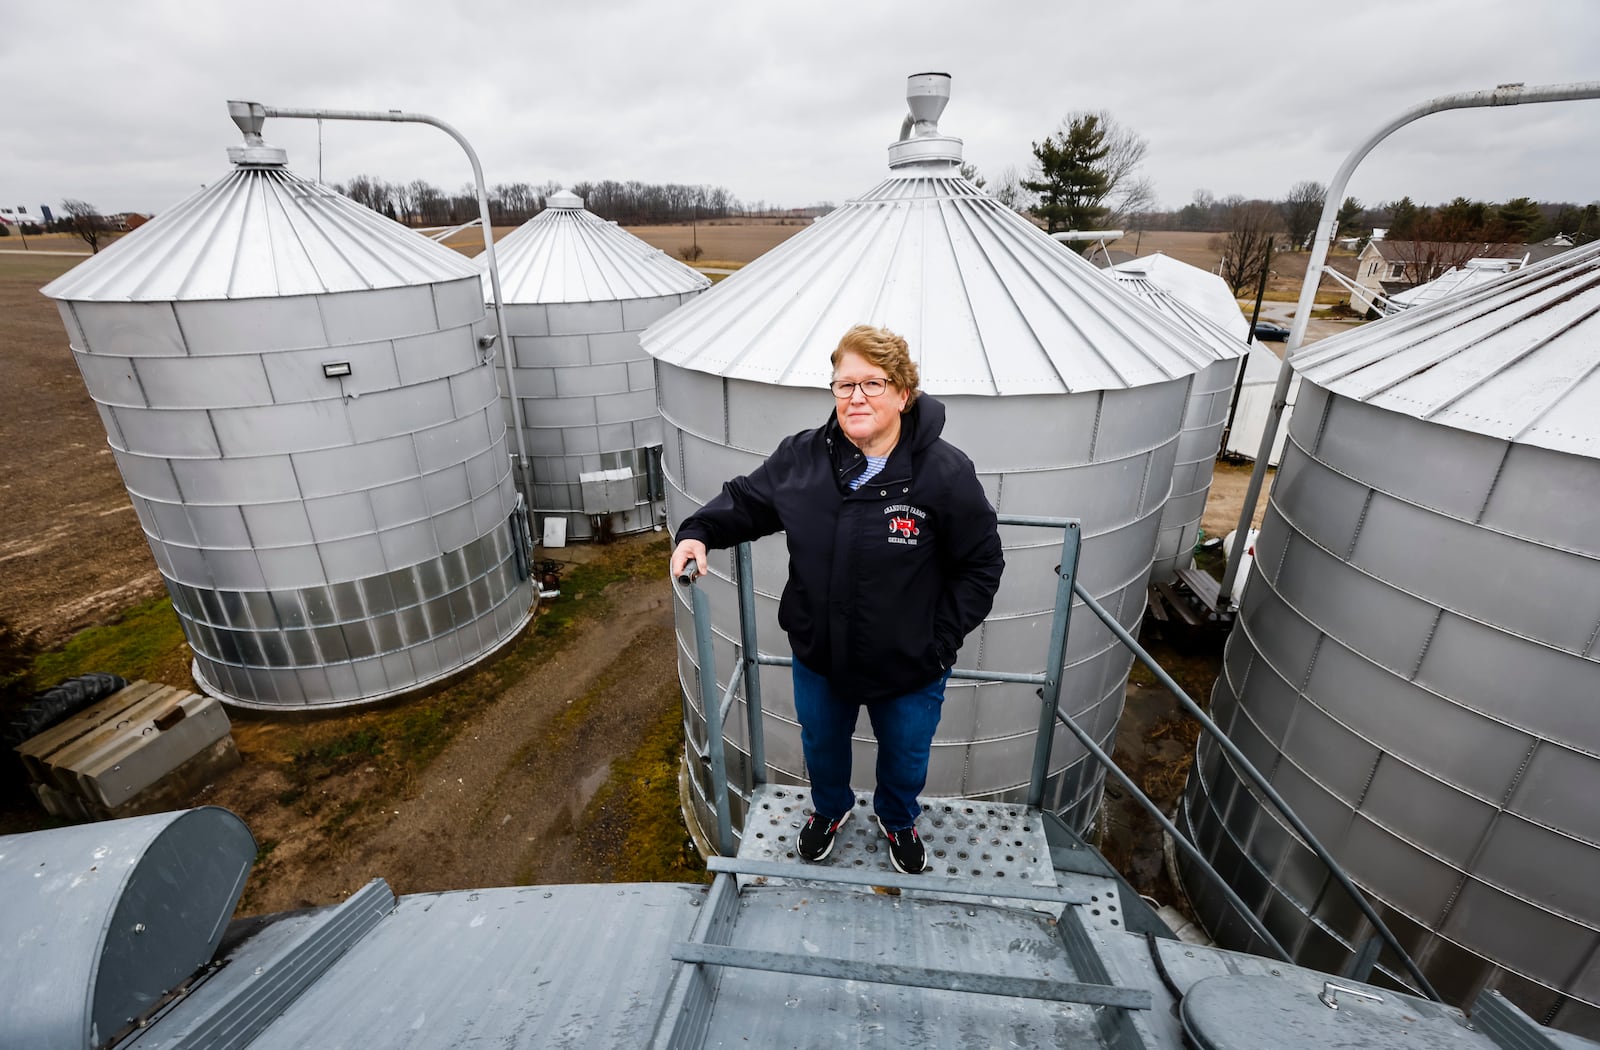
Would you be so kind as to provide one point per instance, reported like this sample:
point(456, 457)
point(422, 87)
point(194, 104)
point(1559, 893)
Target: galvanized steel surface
point(579, 290)
point(259, 231)
point(1199, 290)
point(102, 920)
point(988, 303)
point(550, 966)
point(567, 254)
point(1514, 359)
point(323, 478)
point(1415, 659)
point(1205, 415)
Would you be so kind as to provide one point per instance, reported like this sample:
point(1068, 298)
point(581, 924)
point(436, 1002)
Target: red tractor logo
point(906, 527)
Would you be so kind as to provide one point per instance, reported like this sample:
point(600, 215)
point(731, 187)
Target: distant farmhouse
point(21, 216)
point(1388, 267)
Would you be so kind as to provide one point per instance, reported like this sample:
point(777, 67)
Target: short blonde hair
point(881, 347)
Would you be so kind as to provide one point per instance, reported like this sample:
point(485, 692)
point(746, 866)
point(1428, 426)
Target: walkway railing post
point(711, 708)
point(1055, 656)
point(752, 672)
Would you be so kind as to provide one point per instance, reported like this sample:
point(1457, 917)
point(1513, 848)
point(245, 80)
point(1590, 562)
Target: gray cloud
point(122, 104)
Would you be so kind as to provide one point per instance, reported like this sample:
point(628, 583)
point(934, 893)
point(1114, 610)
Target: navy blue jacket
point(884, 582)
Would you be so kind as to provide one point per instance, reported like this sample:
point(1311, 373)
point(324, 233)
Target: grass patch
point(583, 586)
point(144, 642)
point(638, 828)
point(1276, 295)
point(38, 269)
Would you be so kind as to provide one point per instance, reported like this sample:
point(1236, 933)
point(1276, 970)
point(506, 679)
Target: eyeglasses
point(844, 388)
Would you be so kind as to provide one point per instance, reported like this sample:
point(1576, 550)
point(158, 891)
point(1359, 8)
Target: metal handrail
point(749, 657)
point(1049, 681)
point(1243, 764)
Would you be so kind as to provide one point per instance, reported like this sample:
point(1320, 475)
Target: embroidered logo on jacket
point(906, 527)
point(903, 523)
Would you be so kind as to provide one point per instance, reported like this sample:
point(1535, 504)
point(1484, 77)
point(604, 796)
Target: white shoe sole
point(819, 858)
point(895, 861)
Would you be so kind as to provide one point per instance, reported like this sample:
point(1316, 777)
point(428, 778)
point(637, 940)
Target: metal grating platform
point(992, 844)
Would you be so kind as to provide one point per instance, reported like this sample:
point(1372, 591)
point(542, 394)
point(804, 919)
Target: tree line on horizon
point(1085, 176)
point(630, 203)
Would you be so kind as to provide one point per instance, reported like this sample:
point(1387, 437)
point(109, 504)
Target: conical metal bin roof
point(1200, 290)
point(1518, 359)
point(1209, 337)
point(567, 254)
point(261, 231)
point(989, 304)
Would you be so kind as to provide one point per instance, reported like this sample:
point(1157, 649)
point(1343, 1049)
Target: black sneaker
point(906, 852)
point(817, 837)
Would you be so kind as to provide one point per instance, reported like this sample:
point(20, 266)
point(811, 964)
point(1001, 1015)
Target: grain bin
point(578, 290)
point(1067, 393)
point(1415, 662)
point(299, 397)
point(1204, 416)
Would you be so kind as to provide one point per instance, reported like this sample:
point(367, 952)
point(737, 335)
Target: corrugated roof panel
point(568, 255)
point(1515, 359)
point(551, 966)
point(261, 231)
point(1200, 290)
point(1209, 337)
point(988, 303)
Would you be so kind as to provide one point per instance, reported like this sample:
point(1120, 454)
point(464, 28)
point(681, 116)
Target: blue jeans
point(904, 726)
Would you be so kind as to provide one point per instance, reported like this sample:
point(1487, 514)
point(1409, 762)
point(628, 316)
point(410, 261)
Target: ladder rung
point(913, 976)
point(776, 869)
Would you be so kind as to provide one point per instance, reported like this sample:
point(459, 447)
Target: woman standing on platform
point(894, 557)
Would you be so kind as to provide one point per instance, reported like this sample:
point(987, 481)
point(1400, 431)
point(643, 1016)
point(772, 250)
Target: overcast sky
point(123, 104)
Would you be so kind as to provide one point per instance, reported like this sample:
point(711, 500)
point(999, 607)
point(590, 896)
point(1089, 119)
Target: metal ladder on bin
point(709, 950)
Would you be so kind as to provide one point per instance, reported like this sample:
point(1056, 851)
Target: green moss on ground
point(145, 642)
point(636, 827)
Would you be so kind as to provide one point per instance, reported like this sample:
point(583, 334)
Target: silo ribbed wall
point(588, 402)
point(1106, 457)
point(1205, 414)
point(1415, 666)
point(325, 541)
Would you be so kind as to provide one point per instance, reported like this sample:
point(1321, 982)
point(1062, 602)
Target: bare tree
point(1441, 241)
point(85, 220)
point(362, 190)
point(1300, 211)
point(1245, 247)
point(1009, 190)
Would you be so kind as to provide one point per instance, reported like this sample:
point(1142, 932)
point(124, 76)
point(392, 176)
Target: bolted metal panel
point(148, 899)
point(589, 403)
point(1417, 673)
point(578, 290)
point(1206, 413)
point(1511, 360)
point(309, 418)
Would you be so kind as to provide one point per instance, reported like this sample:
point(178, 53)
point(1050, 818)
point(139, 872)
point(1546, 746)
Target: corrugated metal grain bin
point(1203, 419)
point(1415, 662)
point(1067, 393)
point(298, 396)
point(577, 292)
